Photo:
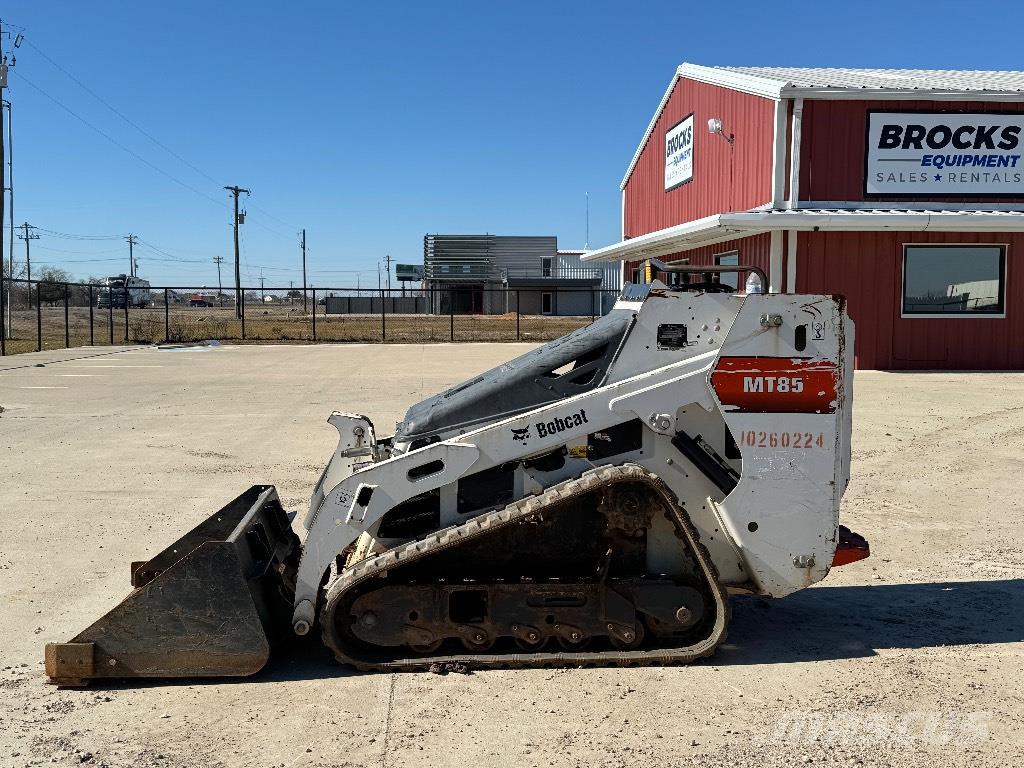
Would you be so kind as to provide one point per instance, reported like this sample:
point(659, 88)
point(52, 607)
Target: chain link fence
point(37, 315)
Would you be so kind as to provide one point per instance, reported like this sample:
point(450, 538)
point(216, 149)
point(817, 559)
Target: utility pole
point(235, 192)
point(132, 242)
point(304, 310)
point(387, 261)
point(4, 66)
point(218, 260)
point(28, 236)
point(10, 208)
point(3, 188)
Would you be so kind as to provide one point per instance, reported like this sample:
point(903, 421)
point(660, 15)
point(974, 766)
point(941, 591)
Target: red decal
point(776, 384)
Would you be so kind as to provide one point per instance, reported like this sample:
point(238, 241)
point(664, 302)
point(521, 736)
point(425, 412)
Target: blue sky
point(370, 124)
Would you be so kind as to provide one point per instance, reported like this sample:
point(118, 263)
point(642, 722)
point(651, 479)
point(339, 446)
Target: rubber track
point(524, 509)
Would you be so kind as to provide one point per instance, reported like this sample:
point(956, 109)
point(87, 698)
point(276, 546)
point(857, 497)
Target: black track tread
point(349, 578)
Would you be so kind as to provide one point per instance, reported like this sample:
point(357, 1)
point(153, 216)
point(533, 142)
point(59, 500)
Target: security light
point(715, 126)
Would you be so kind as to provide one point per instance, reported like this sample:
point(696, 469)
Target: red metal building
point(903, 190)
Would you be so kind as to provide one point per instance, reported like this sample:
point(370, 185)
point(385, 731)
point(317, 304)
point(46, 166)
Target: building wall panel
point(726, 177)
point(867, 268)
point(832, 148)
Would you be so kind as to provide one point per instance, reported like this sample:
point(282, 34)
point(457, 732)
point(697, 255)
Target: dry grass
point(186, 324)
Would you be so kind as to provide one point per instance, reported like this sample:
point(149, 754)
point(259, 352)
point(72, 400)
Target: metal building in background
point(902, 190)
point(489, 274)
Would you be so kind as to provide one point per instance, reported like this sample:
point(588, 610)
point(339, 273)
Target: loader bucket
point(211, 604)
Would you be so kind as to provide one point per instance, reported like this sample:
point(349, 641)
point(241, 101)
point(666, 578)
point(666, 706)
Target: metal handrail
point(684, 267)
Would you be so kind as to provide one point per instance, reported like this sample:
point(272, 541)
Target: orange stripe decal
point(776, 384)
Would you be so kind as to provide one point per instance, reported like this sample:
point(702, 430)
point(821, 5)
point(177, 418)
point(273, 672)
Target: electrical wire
point(118, 144)
point(72, 236)
point(120, 114)
point(148, 135)
point(76, 261)
point(81, 253)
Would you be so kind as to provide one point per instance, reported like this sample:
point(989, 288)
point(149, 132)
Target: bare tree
point(51, 285)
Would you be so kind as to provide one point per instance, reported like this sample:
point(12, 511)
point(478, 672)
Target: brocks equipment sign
point(938, 154)
point(679, 153)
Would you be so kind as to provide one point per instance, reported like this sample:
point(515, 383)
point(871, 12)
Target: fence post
point(3, 312)
point(517, 315)
point(126, 300)
point(383, 321)
point(92, 332)
point(39, 314)
point(241, 298)
point(110, 313)
point(167, 318)
point(67, 326)
point(314, 314)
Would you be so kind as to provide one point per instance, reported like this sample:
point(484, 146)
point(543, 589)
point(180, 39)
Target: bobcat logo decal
point(521, 436)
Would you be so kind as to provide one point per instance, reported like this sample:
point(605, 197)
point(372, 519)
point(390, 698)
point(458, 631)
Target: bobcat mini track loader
point(593, 501)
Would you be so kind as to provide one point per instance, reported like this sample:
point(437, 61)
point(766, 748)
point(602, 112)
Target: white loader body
point(760, 385)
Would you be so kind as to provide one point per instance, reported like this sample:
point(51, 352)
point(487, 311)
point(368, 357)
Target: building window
point(545, 267)
point(959, 280)
point(731, 259)
point(635, 279)
point(545, 303)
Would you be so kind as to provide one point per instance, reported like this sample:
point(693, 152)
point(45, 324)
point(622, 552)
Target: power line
point(149, 164)
point(78, 261)
point(118, 144)
point(123, 116)
point(268, 214)
point(145, 133)
point(80, 253)
point(169, 255)
point(72, 236)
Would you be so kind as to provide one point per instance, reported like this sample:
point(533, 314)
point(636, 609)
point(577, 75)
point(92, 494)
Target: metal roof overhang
point(728, 226)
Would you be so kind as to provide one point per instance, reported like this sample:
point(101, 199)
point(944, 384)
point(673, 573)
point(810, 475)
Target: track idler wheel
point(475, 639)
point(571, 638)
point(626, 638)
point(528, 638)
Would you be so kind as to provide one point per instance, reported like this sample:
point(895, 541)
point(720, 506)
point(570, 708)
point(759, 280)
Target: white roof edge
point(776, 88)
point(758, 85)
point(736, 81)
point(726, 226)
point(898, 94)
point(650, 128)
point(779, 88)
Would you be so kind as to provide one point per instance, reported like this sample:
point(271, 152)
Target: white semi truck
point(124, 287)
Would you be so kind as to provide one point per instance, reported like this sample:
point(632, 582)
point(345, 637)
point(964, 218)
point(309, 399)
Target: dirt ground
point(914, 657)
